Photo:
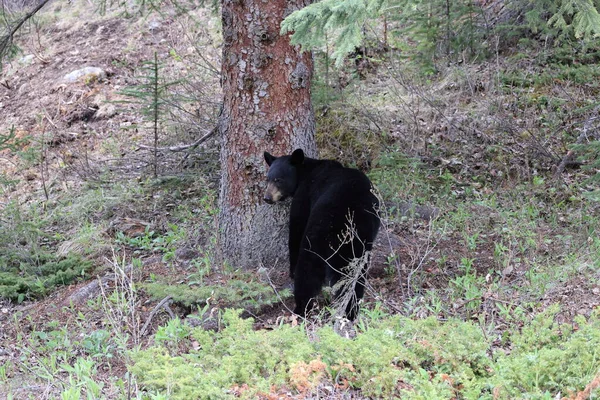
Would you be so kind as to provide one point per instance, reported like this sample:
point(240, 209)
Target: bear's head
point(282, 177)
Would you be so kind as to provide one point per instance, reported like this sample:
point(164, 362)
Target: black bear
point(333, 221)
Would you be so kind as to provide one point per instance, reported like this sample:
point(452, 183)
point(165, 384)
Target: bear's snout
point(272, 194)
point(268, 199)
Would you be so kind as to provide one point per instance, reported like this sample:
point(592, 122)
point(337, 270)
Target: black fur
point(326, 197)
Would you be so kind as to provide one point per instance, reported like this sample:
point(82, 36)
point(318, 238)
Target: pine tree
point(150, 96)
point(266, 107)
point(342, 20)
point(581, 16)
point(437, 27)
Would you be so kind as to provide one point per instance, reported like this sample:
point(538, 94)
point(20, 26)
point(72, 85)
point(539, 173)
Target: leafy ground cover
point(496, 297)
point(390, 356)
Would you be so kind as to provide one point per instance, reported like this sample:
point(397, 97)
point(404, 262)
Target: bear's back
point(329, 178)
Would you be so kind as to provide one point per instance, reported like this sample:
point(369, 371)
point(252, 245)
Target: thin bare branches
point(182, 147)
point(6, 39)
point(164, 303)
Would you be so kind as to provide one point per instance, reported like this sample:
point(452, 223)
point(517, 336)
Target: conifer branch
point(583, 14)
point(344, 19)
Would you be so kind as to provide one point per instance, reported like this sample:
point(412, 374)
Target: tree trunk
point(266, 107)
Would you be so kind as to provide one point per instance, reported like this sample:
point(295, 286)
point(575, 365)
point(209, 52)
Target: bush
point(28, 279)
point(235, 292)
point(390, 356)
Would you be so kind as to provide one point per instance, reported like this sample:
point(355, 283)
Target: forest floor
point(478, 225)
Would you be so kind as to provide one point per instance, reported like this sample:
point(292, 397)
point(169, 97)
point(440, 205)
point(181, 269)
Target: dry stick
point(41, 59)
point(161, 304)
point(568, 158)
point(183, 146)
point(48, 118)
point(91, 288)
point(4, 41)
point(275, 290)
point(348, 281)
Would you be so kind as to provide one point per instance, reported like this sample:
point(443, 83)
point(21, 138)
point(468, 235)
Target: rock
point(106, 110)
point(87, 74)
point(27, 60)
point(186, 253)
point(154, 25)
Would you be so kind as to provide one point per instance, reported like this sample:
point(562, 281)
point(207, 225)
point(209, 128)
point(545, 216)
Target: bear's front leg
point(308, 281)
point(298, 218)
point(294, 248)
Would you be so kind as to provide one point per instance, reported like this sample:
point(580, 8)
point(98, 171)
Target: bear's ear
point(297, 157)
point(269, 158)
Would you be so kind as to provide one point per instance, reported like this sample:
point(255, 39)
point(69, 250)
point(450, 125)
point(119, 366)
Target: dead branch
point(183, 146)
point(6, 40)
point(91, 289)
point(268, 278)
point(568, 159)
point(161, 304)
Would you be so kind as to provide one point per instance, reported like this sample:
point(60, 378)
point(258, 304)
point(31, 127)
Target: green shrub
point(234, 292)
point(236, 355)
point(32, 278)
point(29, 267)
point(548, 358)
point(390, 356)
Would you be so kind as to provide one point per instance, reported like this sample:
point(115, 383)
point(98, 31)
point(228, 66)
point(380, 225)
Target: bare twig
point(7, 39)
point(161, 304)
point(182, 147)
point(568, 159)
point(275, 290)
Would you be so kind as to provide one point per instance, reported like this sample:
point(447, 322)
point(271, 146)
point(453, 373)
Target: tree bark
point(266, 107)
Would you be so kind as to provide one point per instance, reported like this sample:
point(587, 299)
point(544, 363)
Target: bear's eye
point(276, 180)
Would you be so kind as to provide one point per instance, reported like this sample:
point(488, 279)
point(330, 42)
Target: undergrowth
point(478, 239)
point(490, 254)
point(48, 244)
point(29, 265)
point(30, 279)
point(390, 356)
point(237, 291)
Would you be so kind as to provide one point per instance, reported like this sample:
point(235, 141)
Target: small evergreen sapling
point(150, 96)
